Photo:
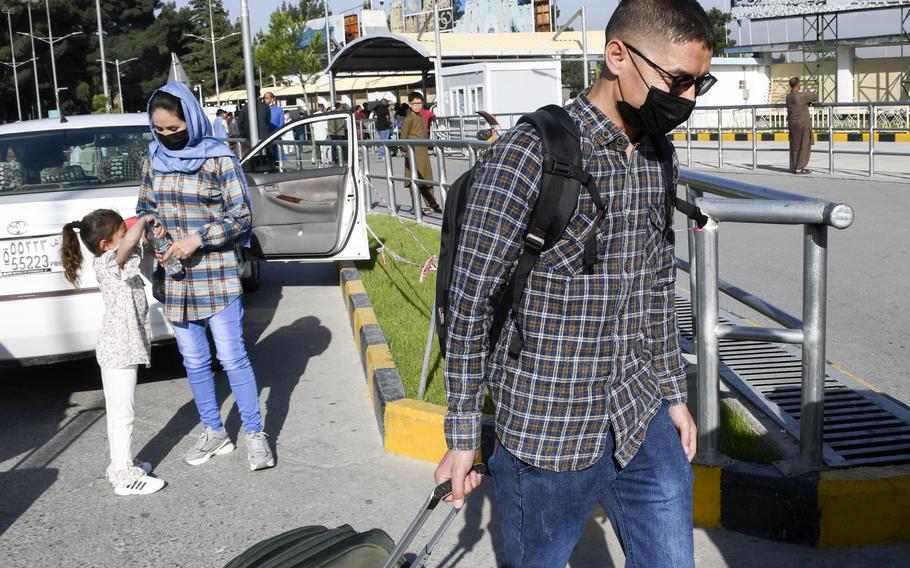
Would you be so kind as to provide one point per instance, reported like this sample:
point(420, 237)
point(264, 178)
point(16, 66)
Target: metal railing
point(735, 202)
point(471, 147)
point(745, 203)
point(865, 119)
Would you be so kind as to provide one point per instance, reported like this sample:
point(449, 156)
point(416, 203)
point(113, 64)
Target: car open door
point(307, 199)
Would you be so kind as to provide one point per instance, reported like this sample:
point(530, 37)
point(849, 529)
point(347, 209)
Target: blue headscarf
point(202, 144)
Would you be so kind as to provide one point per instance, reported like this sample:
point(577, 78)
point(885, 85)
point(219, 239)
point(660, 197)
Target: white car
point(306, 195)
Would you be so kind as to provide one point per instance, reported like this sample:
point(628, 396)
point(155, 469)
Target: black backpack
point(563, 177)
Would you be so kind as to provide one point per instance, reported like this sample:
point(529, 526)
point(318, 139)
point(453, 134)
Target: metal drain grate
point(862, 427)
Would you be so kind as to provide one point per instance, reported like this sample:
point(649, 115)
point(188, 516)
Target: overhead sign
point(477, 16)
point(767, 9)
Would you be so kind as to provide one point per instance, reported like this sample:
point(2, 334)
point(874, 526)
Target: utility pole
point(117, 63)
point(213, 41)
point(107, 90)
point(328, 52)
point(251, 108)
point(28, 4)
point(50, 43)
point(15, 67)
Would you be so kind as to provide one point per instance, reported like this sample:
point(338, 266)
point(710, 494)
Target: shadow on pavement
point(34, 404)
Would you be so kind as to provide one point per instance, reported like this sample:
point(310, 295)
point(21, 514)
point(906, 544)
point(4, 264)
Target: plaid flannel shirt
point(210, 203)
point(601, 344)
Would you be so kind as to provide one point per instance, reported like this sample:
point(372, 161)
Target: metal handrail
point(734, 202)
point(745, 203)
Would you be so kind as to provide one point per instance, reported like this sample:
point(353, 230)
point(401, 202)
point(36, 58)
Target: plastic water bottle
point(172, 265)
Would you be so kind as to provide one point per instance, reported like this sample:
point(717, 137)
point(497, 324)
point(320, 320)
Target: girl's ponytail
point(71, 252)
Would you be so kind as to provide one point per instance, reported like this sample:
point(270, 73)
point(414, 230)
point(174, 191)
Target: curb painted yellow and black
point(829, 509)
point(784, 137)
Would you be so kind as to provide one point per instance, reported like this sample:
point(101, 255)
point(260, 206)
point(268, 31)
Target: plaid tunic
point(209, 203)
point(601, 344)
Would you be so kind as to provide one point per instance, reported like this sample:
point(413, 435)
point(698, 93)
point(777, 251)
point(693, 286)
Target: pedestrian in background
point(124, 342)
point(276, 114)
point(195, 187)
point(263, 114)
point(382, 123)
point(415, 127)
point(592, 406)
point(220, 128)
point(799, 125)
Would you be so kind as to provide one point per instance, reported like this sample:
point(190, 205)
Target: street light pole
point(328, 53)
point(251, 108)
point(213, 41)
point(9, 20)
point(50, 43)
point(107, 91)
point(31, 31)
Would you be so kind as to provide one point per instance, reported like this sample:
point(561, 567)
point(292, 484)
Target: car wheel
point(250, 276)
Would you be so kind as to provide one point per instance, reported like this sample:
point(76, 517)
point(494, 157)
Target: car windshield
point(72, 159)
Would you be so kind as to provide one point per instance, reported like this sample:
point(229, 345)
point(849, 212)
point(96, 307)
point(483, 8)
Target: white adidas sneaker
point(145, 485)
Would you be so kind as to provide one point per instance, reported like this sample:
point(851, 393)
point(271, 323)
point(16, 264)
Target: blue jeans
point(383, 135)
point(193, 343)
point(649, 503)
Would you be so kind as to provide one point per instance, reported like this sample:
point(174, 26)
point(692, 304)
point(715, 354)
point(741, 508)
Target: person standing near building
point(383, 123)
point(799, 124)
point(593, 408)
point(415, 128)
point(219, 125)
point(276, 114)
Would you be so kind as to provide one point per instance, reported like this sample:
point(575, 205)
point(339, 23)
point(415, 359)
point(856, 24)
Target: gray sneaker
point(209, 444)
point(258, 452)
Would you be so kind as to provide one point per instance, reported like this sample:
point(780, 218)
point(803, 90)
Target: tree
point(304, 10)
point(279, 51)
point(719, 21)
point(148, 29)
point(198, 61)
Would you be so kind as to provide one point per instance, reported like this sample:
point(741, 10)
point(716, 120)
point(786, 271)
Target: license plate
point(30, 255)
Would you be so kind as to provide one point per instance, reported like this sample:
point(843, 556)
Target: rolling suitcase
point(343, 547)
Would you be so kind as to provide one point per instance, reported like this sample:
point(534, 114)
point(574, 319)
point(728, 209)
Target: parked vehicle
point(52, 172)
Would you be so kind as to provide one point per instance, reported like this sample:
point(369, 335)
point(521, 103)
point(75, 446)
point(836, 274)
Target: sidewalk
point(57, 510)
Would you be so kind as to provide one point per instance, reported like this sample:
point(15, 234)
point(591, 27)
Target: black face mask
point(660, 113)
point(175, 141)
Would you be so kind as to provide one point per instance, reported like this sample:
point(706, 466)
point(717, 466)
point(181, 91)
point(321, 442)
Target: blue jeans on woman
point(649, 503)
point(193, 343)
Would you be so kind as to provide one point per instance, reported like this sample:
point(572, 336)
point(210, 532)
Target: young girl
point(123, 343)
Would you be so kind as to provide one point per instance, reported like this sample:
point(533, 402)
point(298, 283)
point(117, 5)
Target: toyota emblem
point(17, 227)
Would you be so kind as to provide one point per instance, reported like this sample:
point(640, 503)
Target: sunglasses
point(679, 84)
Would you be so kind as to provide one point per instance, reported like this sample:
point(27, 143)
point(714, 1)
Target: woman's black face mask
point(176, 140)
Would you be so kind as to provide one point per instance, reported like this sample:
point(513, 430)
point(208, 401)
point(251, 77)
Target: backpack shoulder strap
point(562, 176)
point(665, 156)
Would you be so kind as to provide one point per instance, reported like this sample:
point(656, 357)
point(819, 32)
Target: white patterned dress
point(125, 335)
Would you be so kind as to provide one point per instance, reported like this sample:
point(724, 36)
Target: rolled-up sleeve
point(236, 220)
point(496, 216)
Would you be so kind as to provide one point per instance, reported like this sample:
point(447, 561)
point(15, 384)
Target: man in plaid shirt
point(593, 408)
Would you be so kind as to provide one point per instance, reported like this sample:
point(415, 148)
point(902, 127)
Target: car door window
point(310, 146)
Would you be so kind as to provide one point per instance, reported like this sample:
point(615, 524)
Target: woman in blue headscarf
point(194, 185)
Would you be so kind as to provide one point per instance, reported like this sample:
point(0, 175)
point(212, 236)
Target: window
point(320, 144)
point(475, 99)
point(65, 160)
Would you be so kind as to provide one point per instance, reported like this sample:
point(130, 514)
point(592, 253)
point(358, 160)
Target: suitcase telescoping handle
point(439, 493)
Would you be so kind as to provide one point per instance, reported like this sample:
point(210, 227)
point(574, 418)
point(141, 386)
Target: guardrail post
point(812, 416)
point(441, 168)
point(754, 140)
point(720, 138)
point(366, 177)
point(831, 140)
point(691, 195)
point(387, 156)
point(871, 140)
point(415, 191)
point(707, 344)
